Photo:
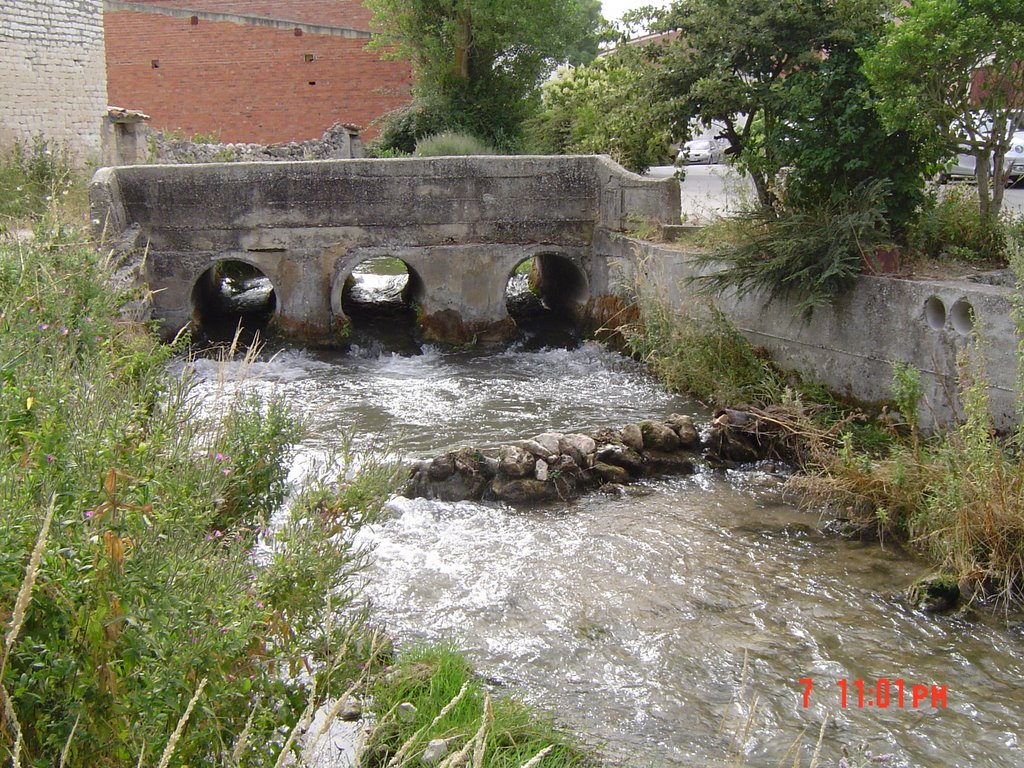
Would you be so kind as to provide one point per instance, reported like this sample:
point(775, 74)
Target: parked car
point(963, 165)
point(700, 151)
point(1015, 157)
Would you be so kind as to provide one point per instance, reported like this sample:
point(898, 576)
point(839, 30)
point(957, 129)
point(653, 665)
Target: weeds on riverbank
point(150, 614)
point(957, 496)
point(433, 700)
point(35, 178)
point(700, 353)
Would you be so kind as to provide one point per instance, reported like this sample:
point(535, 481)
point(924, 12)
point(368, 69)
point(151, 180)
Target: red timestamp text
point(882, 693)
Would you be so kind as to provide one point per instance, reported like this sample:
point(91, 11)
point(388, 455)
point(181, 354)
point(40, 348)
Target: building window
point(194, 21)
point(155, 63)
point(298, 32)
point(309, 58)
point(312, 82)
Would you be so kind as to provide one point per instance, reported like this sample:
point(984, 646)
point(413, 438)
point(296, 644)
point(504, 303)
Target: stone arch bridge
point(461, 225)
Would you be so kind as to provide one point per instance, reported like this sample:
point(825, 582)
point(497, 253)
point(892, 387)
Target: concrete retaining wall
point(851, 346)
point(54, 74)
point(462, 223)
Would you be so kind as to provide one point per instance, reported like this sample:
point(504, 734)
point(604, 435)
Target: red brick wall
point(246, 83)
point(337, 13)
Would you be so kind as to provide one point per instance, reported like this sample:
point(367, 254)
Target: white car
point(700, 151)
point(963, 166)
point(1015, 157)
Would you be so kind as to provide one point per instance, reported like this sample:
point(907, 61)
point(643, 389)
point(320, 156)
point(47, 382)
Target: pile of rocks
point(560, 466)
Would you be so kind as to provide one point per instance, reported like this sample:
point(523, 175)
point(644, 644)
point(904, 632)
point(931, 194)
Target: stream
point(669, 625)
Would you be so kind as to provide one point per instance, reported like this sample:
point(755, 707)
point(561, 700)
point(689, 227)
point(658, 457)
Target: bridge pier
point(461, 290)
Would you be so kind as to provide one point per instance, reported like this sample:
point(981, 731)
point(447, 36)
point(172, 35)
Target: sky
point(613, 9)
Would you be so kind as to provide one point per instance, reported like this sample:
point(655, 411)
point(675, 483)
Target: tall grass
point(433, 694)
point(701, 353)
point(452, 143)
point(35, 178)
point(811, 253)
point(160, 575)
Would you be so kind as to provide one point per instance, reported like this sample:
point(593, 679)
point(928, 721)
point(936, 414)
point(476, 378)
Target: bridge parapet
point(461, 220)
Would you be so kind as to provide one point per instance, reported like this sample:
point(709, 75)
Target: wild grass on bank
point(145, 601)
point(957, 496)
point(432, 695)
point(811, 253)
point(700, 353)
point(36, 178)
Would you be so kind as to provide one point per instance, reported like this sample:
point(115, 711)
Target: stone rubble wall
point(339, 142)
point(54, 74)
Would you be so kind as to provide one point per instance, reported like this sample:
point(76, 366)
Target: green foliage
point(926, 70)
point(600, 108)
point(403, 127)
point(205, 138)
point(148, 583)
point(738, 57)
point(450, 143)
point(430, 680)
point(33, 179)
point(833, 142)
point(811, 253)
point(480, 62)
point(950, 225)
point(701, 353)
point(907, 392)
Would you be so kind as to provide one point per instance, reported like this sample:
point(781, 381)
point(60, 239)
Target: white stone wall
point(53, 73)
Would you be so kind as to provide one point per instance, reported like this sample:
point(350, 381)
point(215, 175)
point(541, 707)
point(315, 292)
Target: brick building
point(52, 74)
point(262, 71)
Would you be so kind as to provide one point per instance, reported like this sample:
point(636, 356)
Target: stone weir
point(461, 225)
point(554, 466)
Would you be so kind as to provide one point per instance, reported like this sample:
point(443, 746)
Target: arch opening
point(380, 300)
point(935, 313)
point(961, 314)
point(232, 297)
point(546, 296)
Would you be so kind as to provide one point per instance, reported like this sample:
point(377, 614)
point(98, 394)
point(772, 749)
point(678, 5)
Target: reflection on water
point(652, 621)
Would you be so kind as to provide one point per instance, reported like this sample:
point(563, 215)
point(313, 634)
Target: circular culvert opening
point(961, 315)
point(935, 313)
point(232, 297)
point(546, 296)
point(379, 300)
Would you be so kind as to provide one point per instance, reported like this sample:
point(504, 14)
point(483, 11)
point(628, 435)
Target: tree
point(952, 72)
point(834, 141)
point(732, 62)
point(603, 108)
point(480, 62)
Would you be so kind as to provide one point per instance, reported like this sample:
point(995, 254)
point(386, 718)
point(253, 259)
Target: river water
point(662, 622)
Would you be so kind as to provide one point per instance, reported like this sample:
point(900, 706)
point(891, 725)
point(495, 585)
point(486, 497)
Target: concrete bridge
point(461, 226)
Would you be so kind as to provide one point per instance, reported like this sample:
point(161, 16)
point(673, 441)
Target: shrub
point(601, 108)
point(950, 225)
point(149, 593)
point(402, 128)
point(451, 143)
point(810, 253)
point(32, 178)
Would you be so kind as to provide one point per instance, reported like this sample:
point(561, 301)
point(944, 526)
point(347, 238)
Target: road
point(710, 191)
